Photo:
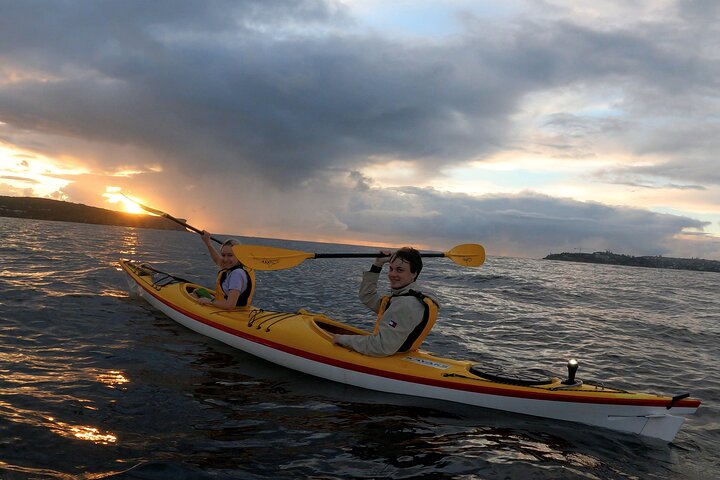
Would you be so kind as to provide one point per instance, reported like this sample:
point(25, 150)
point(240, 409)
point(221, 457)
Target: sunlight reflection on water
point(81, 432)
point(112, 378)
point(130, 242)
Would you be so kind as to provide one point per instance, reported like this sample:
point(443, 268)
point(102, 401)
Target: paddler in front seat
point(235, 283)
point(404, 318)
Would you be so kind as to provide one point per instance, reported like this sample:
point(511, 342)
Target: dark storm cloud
point(254, 87)
point(524, 224)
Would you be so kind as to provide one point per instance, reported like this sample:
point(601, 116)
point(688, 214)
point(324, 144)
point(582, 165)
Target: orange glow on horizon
point(113, 195)
point(26, 173)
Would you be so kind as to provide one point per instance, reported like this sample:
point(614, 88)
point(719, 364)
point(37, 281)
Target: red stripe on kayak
point(539, 395)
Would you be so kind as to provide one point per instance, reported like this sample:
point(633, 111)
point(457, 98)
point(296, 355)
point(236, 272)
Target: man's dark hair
point(411, 256)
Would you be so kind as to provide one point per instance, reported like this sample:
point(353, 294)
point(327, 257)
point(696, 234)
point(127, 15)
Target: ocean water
point(96, 384)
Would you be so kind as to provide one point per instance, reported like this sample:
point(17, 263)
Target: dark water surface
point(96, 384)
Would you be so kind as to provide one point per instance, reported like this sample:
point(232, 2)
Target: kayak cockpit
point(331, 327)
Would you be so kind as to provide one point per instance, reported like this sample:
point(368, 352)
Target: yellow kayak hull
point(302, 341)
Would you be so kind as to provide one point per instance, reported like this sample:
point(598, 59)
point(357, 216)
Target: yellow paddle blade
point(260, 257)
point(467, 254)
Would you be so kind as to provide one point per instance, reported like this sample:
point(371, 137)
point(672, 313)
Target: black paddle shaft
point(367, 255)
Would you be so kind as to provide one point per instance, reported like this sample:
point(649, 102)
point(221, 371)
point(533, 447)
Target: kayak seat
point(333, 328)
point(498, 374)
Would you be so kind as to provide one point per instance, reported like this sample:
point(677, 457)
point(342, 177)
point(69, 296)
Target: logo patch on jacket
point(392, 324)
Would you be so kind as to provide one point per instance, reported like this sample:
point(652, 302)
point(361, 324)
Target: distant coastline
point(46, 209)
point(648, 261)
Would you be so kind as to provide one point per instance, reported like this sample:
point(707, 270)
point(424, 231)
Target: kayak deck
point(302, 341)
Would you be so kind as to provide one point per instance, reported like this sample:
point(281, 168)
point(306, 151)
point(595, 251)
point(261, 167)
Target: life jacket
point(417, 336)
point(246, 296)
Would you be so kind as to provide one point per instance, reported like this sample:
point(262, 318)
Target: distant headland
point(647, 261)
point(46, 209)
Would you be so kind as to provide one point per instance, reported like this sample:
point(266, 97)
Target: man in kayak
point(404, 318)
point(235, 283)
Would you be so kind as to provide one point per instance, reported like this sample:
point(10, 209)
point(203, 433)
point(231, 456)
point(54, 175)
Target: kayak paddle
point(169, 217)
point(260, 257)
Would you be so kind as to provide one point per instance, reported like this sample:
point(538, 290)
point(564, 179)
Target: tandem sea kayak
point(302, 341)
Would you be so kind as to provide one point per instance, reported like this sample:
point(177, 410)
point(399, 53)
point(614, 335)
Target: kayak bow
point(302, 341)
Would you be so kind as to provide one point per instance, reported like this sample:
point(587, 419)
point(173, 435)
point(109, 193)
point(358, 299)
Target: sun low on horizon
point(114, 196)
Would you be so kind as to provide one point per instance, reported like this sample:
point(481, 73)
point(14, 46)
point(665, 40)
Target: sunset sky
point(531, 127)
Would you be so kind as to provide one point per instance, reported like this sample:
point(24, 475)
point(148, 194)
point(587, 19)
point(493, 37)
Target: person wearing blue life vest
point(235, 283)
point(404, 318)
